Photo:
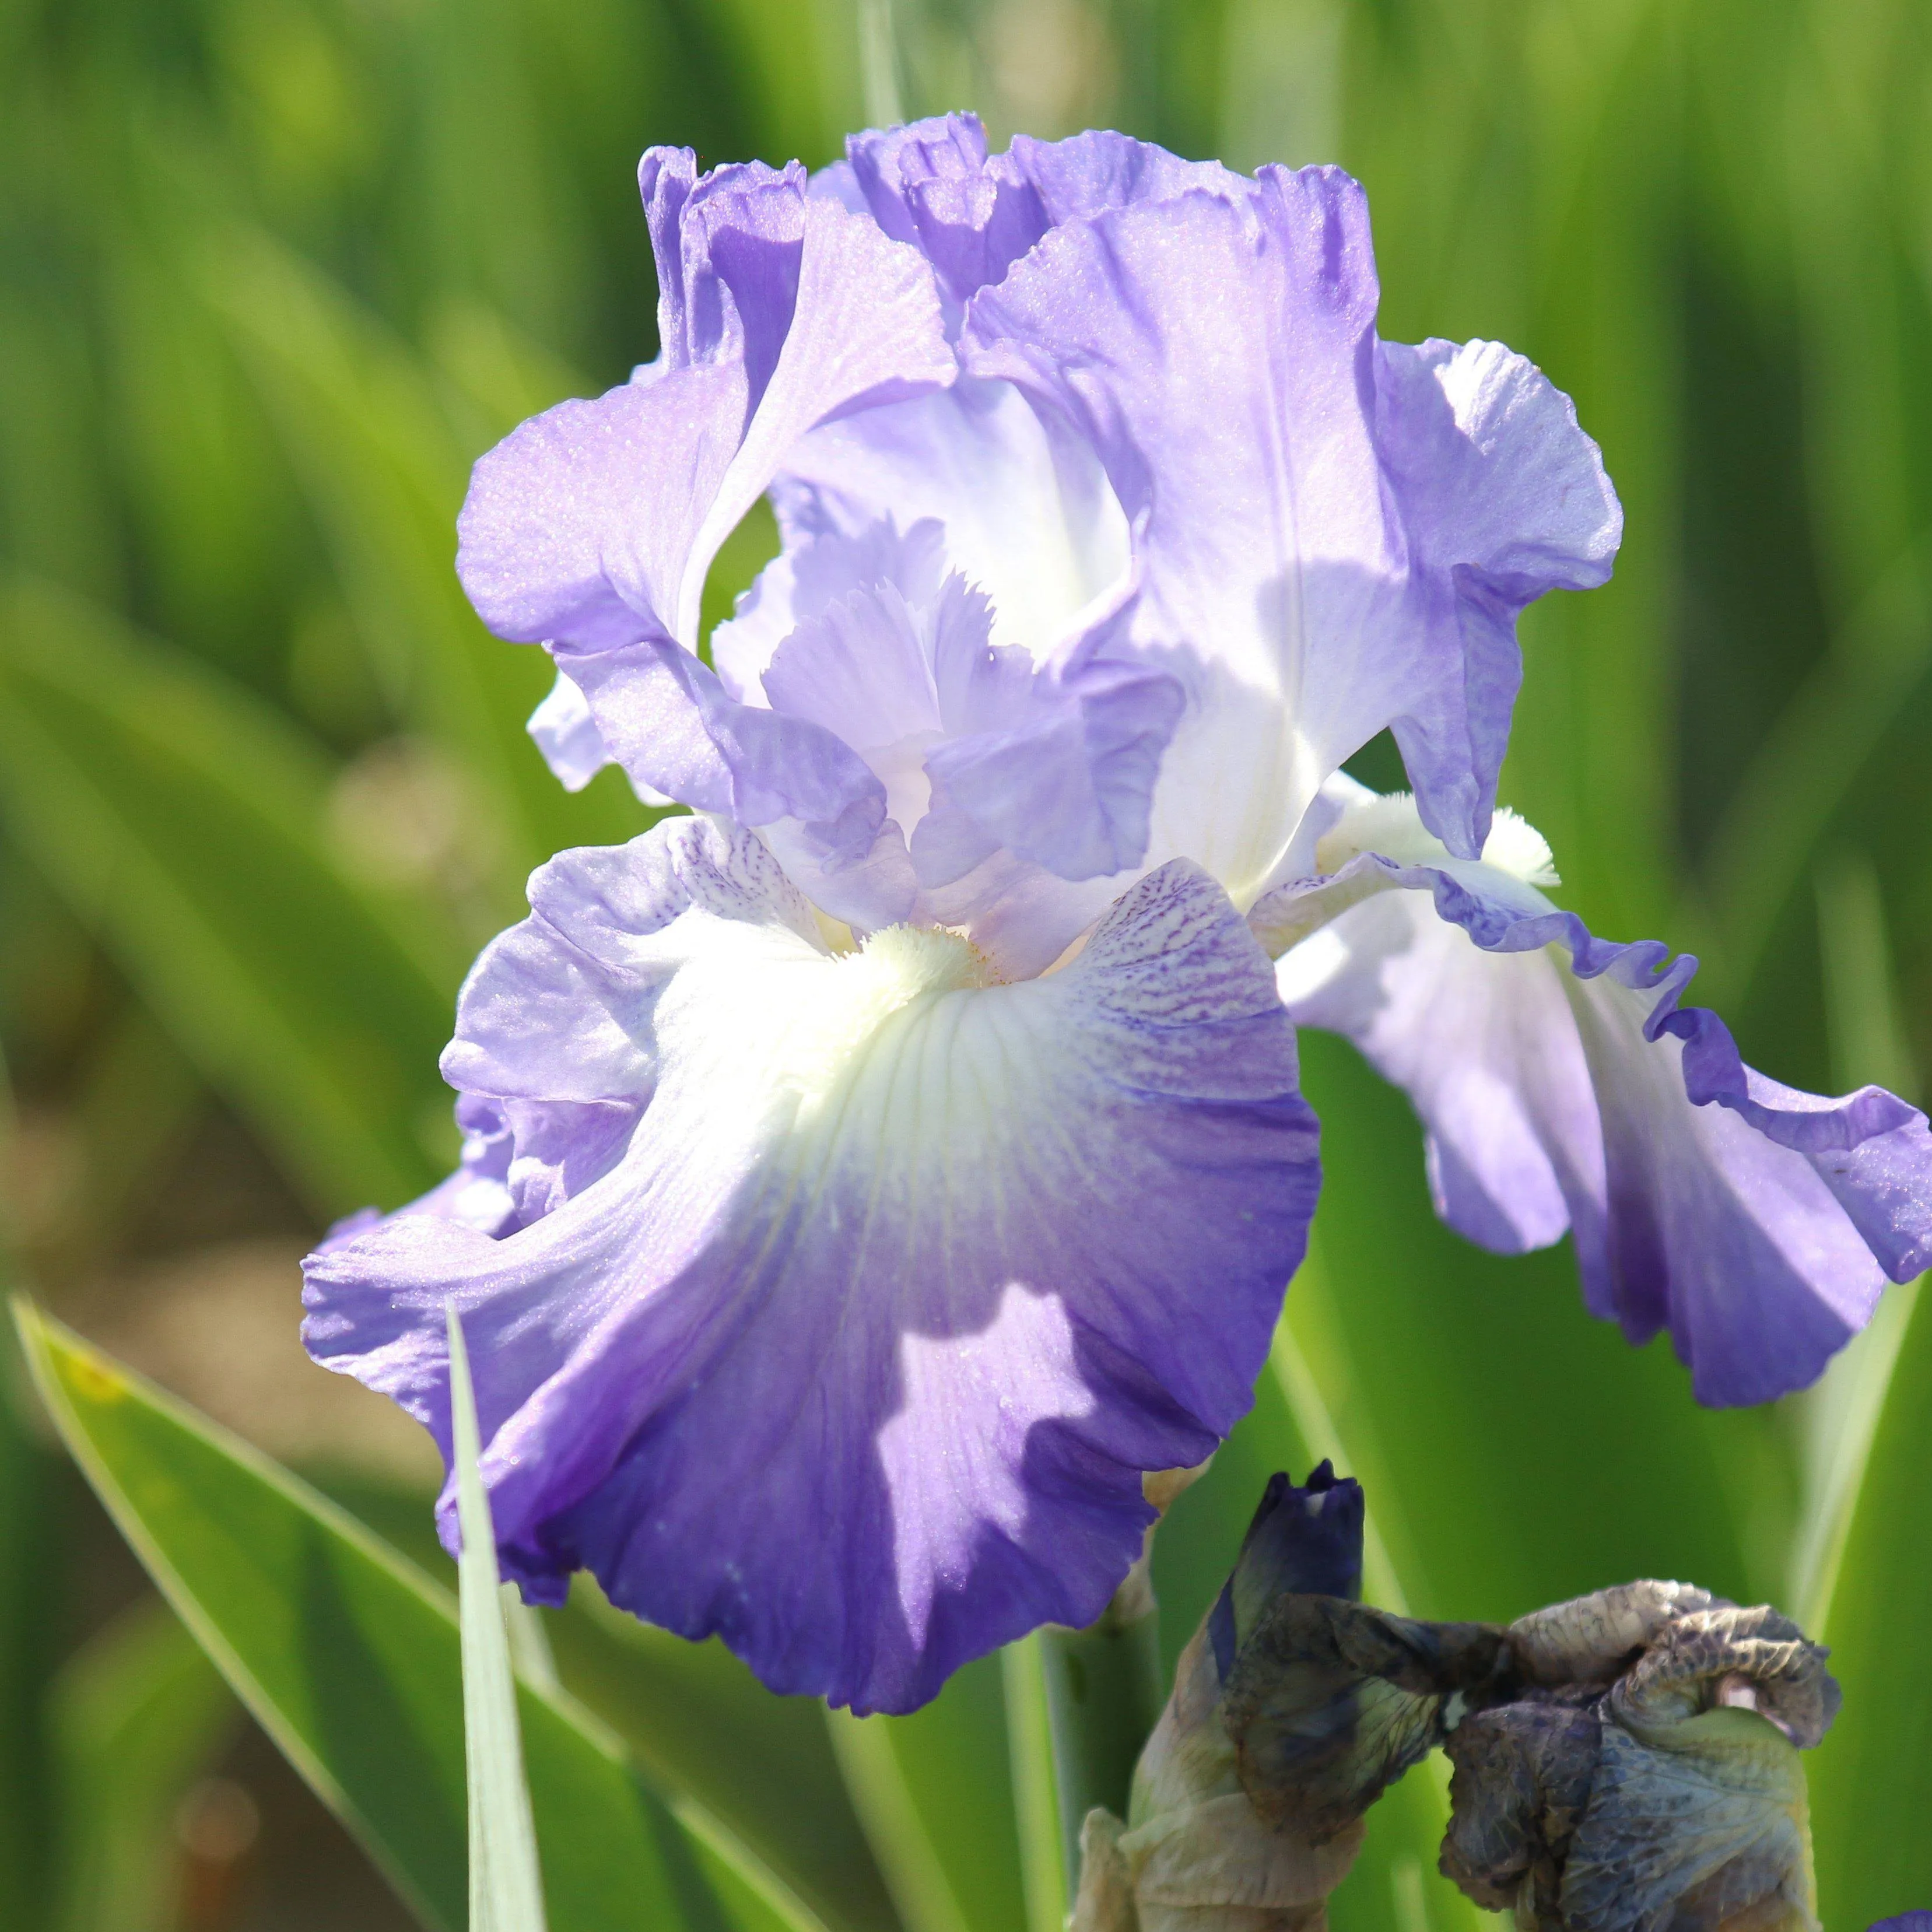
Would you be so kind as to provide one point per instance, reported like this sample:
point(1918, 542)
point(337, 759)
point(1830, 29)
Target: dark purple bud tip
point(1305, 1541)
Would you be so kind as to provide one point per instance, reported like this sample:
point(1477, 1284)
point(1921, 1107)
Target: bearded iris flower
point(872, 1175)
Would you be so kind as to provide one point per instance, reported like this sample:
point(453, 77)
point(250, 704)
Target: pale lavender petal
point(1334, 535)
point(1068, 786)
point(559, 1148)
point(1027, 513)
point(1055, 766)
point(1560, 1078)
point(803, 582)
point(593, 525)
point(856, 1357)
point(519, 1159)
point(1503, 497)
point(933, 184)
point(581, 526)
point(572, 746)
point(671, 723)
point(866, 668)
point(929, 184)
point(1213, 351)
point(477, 1194)
point(567, 737)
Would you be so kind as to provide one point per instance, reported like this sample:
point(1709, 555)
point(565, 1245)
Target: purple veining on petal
point(1759, 1230)
point(858, 1370)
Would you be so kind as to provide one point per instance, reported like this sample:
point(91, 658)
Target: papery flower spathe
point(904, 1155)
point(1563, 1086)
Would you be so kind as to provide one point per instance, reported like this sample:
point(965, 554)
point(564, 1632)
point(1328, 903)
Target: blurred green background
point(274, 272)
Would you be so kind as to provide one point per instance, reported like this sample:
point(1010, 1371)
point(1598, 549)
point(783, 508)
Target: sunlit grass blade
point(742, 1768)
point(1840, 1415)
point(349, 1656)
point(505, 1893)
point(921, 1887)
point(1871, 1779)
point(1036, 1806)
point(931, 1789)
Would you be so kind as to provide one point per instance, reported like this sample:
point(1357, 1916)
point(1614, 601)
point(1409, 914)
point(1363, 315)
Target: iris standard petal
point(973, 215)
point(1303, 571)
point(856, 1355)
point(1561, 1082)
point(593, 525)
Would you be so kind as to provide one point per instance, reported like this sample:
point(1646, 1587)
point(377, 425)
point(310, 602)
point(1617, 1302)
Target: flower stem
point(1104, 1693)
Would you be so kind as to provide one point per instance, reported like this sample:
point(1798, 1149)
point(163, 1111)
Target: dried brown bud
point(1647, 1774)
point(1625, 1762)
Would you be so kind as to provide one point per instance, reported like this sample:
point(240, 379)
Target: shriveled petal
point(593, 525)
point(1561, 1080)
point(856, 1357)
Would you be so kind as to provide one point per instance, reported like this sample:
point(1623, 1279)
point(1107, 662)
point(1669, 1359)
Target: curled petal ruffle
point(973, 215)
point(856, 1354)
point(1563, 1083)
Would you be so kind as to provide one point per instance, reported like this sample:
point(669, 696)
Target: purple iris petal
point(669, 721)
point(593, 525)
point(519, 1159)
point(1577, 1091)
point(1503, 497)
point(973, 216)
point(1312, 566)
point(856, 1355)
point(1023, 509)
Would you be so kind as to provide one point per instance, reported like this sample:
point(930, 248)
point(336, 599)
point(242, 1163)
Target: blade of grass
point(505, 1893)
point(1035, 1807)
point(349, 1656)
point(1839, 1416)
